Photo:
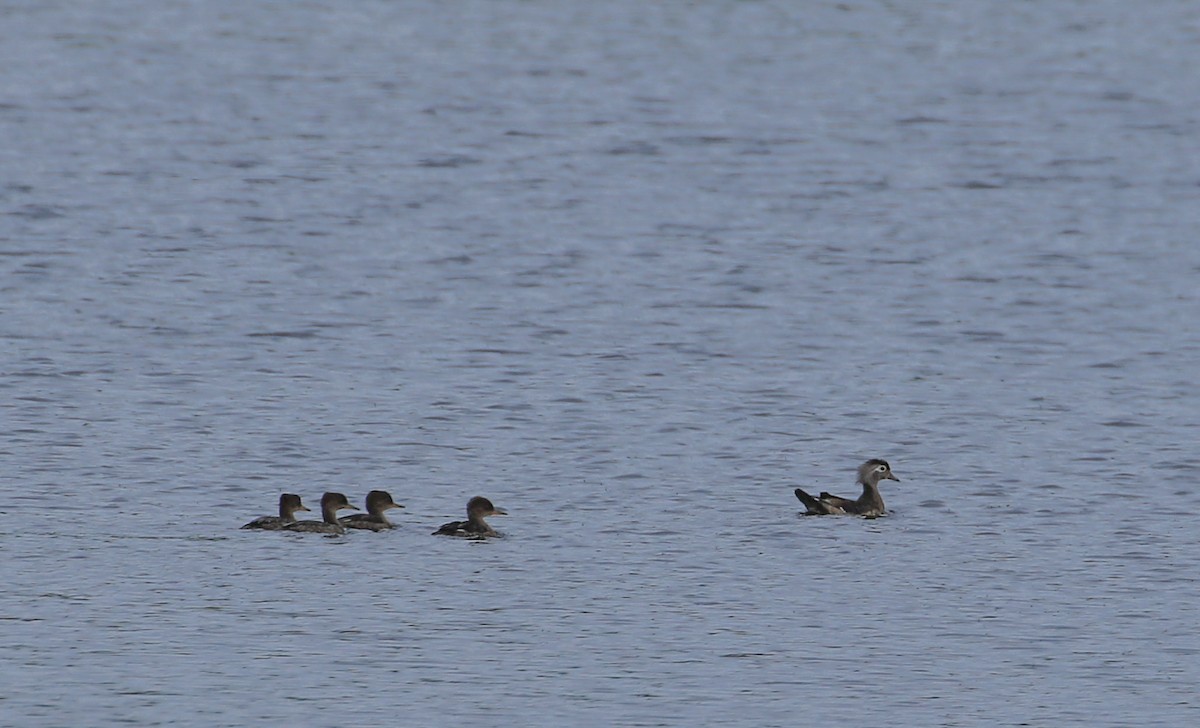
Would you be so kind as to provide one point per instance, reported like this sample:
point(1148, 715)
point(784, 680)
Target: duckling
point(869, 504)
point(331, 503)
point(289, 503)
point(474, 527)
point(378, 501)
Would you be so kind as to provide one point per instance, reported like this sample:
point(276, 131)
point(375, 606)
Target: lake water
point(634, 271)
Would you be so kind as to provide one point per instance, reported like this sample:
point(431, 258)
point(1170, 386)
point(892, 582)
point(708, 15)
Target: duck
point(869, 504)
point(331, 503)
point(378, 501)
point(474, 527)
point(289, 503)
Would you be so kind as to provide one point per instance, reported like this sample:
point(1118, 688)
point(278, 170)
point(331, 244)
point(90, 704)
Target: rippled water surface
point(634, 271)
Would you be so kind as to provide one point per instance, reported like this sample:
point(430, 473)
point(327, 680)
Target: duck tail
point(812, 504)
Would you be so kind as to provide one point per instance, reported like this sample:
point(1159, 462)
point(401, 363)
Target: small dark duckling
point(869, 504)
point(378, 502)
point(289, 503)
point(478, 508)
point(331, 503)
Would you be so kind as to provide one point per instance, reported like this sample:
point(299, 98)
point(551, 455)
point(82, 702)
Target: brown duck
point(869, 504)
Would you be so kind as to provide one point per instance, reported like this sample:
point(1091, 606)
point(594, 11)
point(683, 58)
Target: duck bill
point(499, 512)
point(892, 477)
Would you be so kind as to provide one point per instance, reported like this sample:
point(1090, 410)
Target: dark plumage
point(869, 504)
point(375, 519)
point(331, 503)
point(478, 508)
point(289, 503)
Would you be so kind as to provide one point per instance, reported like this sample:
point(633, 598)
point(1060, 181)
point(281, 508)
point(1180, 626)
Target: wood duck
point(378, 502)
point(331, 503)
point(289, 503)
point(474, 527)
point(869, 504)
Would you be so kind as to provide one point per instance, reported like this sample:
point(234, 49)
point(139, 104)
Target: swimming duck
point(289, 503)
point(331, 503)
point(869, 504)
point(378, 501)
point(474, 527)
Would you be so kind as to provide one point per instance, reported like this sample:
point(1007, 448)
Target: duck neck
point(871, 497)
point(329, 513)
point(477, 523)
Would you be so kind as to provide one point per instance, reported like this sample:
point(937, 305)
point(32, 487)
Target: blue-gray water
point(635, 271)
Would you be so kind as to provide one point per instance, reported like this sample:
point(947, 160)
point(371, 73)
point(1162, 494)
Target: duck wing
point(271, 523)
point(365, 521)
point(452, 528)
point(838, 502)
point(824, 505)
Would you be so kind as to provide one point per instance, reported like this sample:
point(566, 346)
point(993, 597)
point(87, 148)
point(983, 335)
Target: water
point(633, 272)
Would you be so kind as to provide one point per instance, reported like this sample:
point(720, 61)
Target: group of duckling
point(378, 502)
point(869, 504)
